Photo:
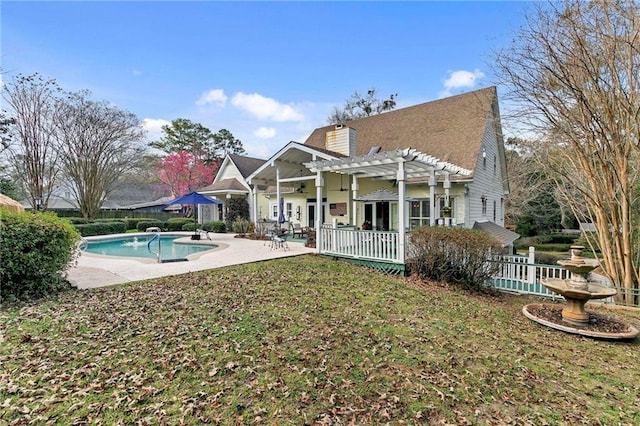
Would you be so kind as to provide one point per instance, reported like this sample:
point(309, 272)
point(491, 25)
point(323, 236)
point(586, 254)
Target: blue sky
point(270, 72)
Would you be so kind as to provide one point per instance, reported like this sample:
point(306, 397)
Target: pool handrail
point(83, 244)
point(156, 236)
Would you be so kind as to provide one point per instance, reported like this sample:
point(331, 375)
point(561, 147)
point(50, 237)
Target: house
point(230, 183)
point(436, 163)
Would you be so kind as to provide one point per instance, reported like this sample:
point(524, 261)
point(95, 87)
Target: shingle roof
point(505, 236)
point(450, 129)
point(225, 185)
point(246, 165)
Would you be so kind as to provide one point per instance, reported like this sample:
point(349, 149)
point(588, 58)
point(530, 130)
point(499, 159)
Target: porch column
point(254, 203)
point(432, 197)
point(447, 203)
point(354, 209)
point(319, 207)
point(401, 177)
point(278, 192)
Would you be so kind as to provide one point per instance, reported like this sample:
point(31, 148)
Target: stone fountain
point(577, 291)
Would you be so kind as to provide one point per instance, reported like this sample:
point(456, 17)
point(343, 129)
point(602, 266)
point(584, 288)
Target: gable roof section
point(450, 129)
point(246, 165)
point(225, 186)
point(290, 159)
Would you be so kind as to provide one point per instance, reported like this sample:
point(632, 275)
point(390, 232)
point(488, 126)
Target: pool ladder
point(83, 244)
point(156, 236)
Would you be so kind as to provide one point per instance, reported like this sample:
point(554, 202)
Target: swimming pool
point(136, 246)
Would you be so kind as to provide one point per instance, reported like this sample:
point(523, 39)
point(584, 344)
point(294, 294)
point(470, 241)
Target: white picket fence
point(518, 274)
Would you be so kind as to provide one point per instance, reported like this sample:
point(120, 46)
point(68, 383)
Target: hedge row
point(101, 228)
point(131, 223)
point(182, 225)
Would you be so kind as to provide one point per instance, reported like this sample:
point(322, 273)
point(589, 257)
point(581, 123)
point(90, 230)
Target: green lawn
point(304, 340)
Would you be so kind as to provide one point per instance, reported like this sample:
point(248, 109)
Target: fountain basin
point(576, 294)
point(587, 291)
point(544, 314)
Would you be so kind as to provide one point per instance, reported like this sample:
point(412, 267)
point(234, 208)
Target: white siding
point(230, 171)
point(487, 180)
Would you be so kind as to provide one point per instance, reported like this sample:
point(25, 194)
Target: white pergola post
point(447, 203)
point(432, 197)
point(354, 208)
point(319, 185)
point(401, 177)
point(278, 192)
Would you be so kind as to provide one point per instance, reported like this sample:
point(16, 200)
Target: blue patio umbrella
point(281, 218)
point(194, 198)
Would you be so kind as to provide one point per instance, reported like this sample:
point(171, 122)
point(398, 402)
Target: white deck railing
point(370, 245)
point(515, 273)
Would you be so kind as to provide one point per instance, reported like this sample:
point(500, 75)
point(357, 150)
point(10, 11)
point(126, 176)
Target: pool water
point(137, 247)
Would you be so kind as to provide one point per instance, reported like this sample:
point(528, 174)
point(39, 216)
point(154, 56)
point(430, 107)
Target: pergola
point(399, 165)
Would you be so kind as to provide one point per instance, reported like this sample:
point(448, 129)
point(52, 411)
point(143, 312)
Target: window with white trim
point(419, 213)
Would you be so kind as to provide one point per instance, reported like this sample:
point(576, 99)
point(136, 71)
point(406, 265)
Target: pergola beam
point(385, 165)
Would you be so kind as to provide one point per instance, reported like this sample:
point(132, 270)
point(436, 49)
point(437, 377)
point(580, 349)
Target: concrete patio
point(94, 270)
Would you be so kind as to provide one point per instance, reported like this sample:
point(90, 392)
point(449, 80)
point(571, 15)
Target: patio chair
point(270, 234)
point(203, 232)
point(280, 241)
point(297, 230)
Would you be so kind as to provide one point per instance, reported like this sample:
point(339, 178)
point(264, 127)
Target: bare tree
point(574, 72)
point(29, 139)
point(97, 143)
point(358, 106)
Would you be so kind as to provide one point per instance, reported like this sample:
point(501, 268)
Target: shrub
point(144, 224)
point(108, 220)
point(547, 259)
point(177, 223)
point(77, 220)
point(564, 238)
point(215, 226)
point(240, 226)
point(101, 228)
point(190, 226)
point(236, 208)
point(36, 250)
point(454, 255)
point(132, 223)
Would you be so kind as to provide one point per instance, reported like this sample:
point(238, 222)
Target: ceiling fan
point(341, 188)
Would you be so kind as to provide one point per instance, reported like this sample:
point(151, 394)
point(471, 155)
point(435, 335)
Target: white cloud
point(136, 72)
point(153, 127)
point(264, 133)
point(264, 108)
point(214, 96)
point(461, 79)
